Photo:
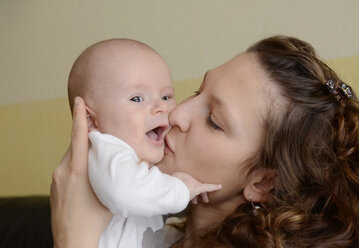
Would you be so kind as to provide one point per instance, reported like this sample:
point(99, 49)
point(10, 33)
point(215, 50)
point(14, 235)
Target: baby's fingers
point(204, 197)
point(206, 187)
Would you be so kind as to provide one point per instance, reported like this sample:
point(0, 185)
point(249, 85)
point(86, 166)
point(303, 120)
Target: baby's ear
point(91, 119)
point(260, 185)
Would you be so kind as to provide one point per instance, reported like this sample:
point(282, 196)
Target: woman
point(276, 127)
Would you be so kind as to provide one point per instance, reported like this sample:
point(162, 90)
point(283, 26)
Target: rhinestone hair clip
point(340, 92)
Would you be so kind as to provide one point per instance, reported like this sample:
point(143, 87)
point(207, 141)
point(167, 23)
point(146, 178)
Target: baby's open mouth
point(156, 133)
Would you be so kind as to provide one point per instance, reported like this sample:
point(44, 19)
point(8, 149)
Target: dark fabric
point(25, 222)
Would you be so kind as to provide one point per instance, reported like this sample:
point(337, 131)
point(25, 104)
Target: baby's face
point(135, 104)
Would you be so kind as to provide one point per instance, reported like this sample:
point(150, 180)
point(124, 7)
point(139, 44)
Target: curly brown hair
point(313, 144)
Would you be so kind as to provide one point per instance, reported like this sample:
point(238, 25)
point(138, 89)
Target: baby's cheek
point(153, 157)
point(158, 158)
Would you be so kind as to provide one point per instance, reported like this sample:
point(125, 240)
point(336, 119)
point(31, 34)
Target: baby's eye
point(137, 99)
point(166, 98)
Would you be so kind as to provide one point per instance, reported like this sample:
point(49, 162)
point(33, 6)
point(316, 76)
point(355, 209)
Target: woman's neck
point(204, 217)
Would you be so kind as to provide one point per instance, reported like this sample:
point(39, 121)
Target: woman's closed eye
point(137, 99)
point(212, 124)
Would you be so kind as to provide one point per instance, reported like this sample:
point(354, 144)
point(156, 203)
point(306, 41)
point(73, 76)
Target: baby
point(128, 92)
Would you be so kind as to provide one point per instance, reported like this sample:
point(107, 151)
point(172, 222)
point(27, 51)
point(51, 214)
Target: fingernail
point(77, 100)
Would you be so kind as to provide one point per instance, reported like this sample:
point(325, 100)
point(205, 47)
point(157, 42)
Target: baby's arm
point(129, 188)
point(197, 188)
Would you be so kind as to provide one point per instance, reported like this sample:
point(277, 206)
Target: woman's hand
point(77, 217)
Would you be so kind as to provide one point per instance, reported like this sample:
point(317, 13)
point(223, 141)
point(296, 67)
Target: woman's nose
point(180, 117)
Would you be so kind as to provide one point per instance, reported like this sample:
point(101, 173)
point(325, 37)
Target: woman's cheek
point(166, 165)
point(201, 162)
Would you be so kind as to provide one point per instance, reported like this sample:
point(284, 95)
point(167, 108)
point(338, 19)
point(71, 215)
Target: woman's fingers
point(79, 137)
point(67, 156)
point(77, 217)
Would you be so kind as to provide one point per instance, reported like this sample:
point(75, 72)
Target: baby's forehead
point(125, 67)
point(145, 86)
point(122, 86)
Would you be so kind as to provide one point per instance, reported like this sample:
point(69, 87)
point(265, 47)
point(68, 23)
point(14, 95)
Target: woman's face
point(215, 131)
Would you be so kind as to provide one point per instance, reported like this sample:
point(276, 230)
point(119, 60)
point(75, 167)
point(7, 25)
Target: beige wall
point(40, 40)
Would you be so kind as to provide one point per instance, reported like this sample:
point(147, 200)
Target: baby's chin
point(154, 159)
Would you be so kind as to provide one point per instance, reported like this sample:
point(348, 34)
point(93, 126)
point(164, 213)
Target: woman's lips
point(168, 148)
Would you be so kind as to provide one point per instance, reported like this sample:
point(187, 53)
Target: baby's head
point(128, 92)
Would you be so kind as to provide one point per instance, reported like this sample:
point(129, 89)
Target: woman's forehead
point(240, 85)
point(240, 78)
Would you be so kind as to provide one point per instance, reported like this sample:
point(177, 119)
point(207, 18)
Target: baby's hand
point(197, 188)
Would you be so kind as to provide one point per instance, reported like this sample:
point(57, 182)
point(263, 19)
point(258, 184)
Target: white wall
point(41, 38)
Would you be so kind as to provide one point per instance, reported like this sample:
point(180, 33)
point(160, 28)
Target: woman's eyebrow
point(217, 102)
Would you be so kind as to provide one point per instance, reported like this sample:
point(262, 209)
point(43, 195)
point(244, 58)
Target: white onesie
point(137, 195)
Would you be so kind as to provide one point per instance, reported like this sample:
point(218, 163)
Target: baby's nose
point(160, 107)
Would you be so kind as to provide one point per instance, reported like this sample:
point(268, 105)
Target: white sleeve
point(129, 188)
